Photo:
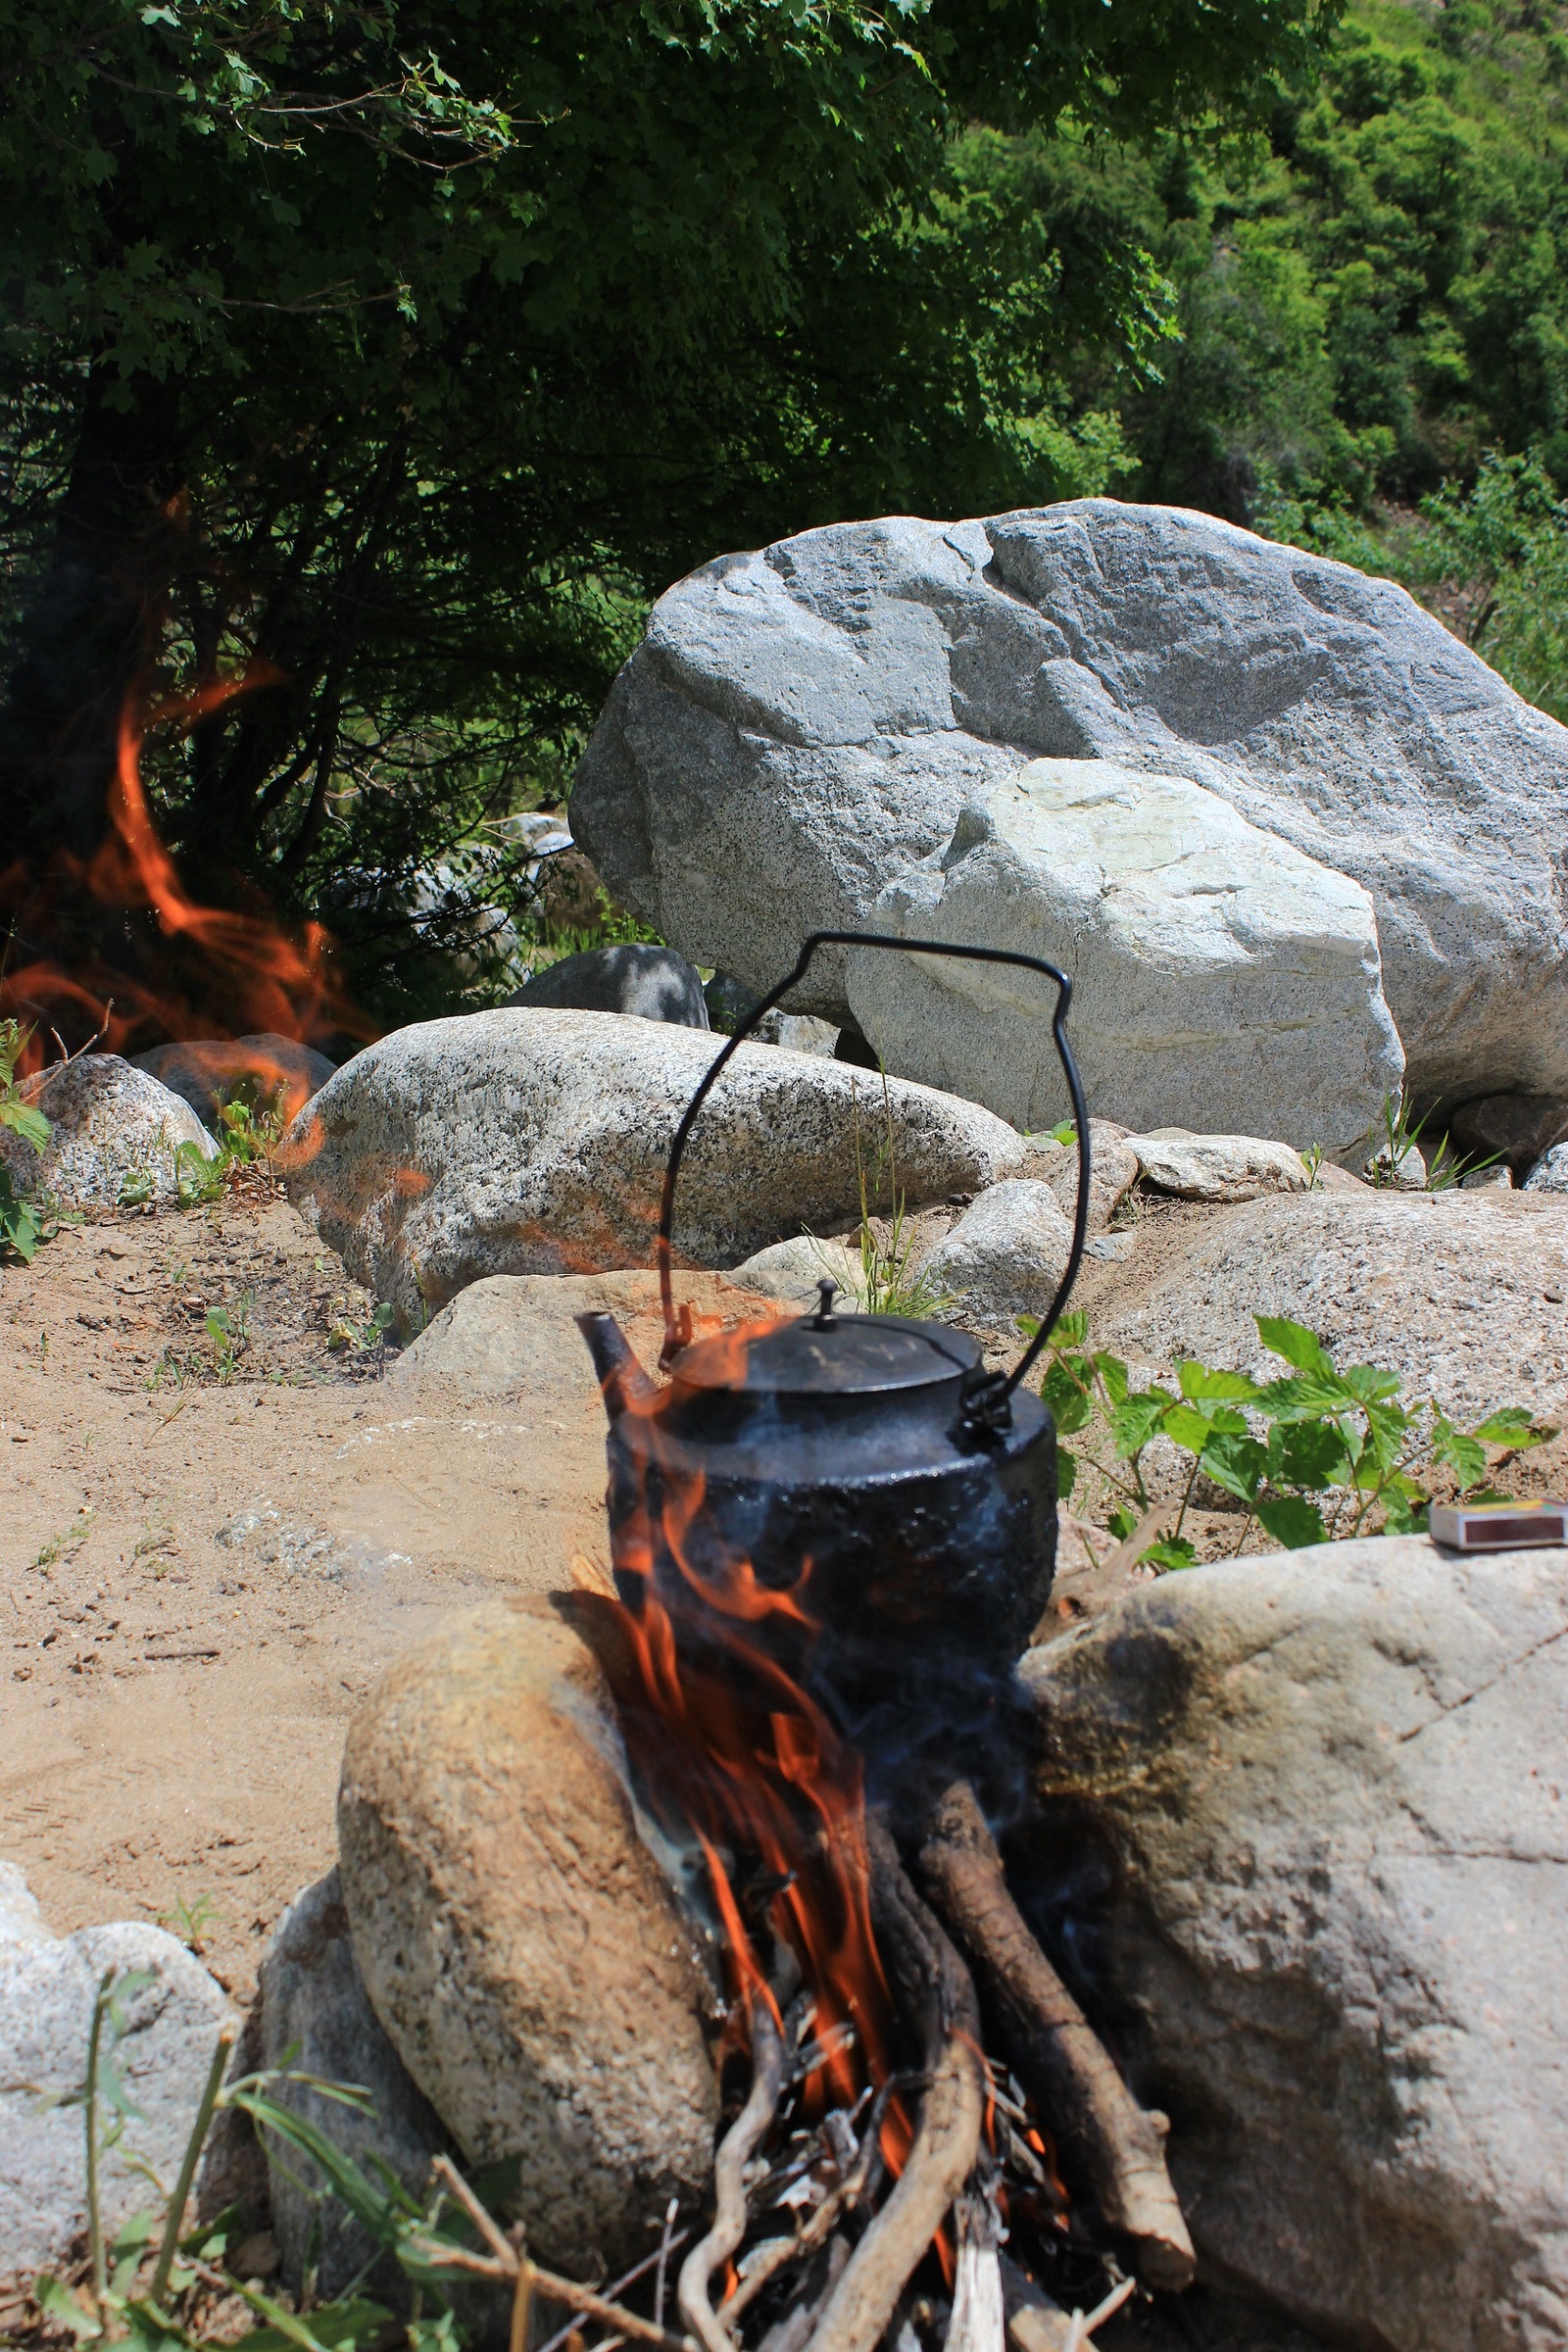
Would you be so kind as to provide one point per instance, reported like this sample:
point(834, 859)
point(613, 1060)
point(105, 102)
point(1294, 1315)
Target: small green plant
point(68, 1543)
point(230, 1330)
point(1312, 1162)
point(136, 1187)
point(198, 1179)
point(347, 1334)
point(1313, 1457)
point(889, 1286)
point(192, 1920)
point(1401, 1138)
point(15, 1113)
point(251, 1132)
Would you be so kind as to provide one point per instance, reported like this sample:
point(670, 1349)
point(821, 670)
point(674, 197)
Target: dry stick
point(769, 2074)
point(935, 1987)
point(1056, 2051)
point(505, 2262)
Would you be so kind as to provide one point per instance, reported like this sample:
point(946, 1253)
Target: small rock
point(517, 1940)
point(791, 1270)
point(1549, 1173)
point(1445, 1289)
point(1113, 1170)
point(515, 1335)
point(1489, 1180)
point(208, 1072)
point(1319, 1796)
point(112, 1126)
point(1219, 1167)
point(535, 1143)
point(48, 1986)
point(317, 2020)
point(1328, 1177)
point(1004, 1257)
point(729, 1001)
point(1400, 1172)
point(1211, 962)
point(653, 983)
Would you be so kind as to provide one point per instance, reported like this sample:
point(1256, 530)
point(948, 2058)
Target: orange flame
point(758, 1771)
point(265, 979)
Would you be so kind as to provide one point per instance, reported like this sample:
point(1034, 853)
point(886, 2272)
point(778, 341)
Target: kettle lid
point(828, 1355)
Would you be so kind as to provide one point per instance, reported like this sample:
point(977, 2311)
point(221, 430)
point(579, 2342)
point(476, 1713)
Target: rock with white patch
point(535, 1143)
point(636, 976)
point(802, 724)
point(1319, 1794)
point(1213, 965)
point(1549, 1173)
point(1218, 1168)
point(160, 2037)
point(114, 1131)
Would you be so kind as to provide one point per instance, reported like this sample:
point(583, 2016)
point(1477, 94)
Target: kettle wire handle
point(988, 1401)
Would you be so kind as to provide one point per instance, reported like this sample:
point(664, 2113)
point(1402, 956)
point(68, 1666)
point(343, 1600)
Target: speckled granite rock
point(535, 1143)
point(110, 1123)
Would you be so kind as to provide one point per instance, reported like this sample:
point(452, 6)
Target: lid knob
point(824, 1318)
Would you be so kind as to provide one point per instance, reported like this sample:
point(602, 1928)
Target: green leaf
point(55, 2299)
point(335, 2325)
point(1114, 1373)
point(1236, 1463)
point(1135, 1422)
point(1067, 1473)
point(1465, 1456)
point(1198, 1380)
point(1121, 1523)
point(1290, 1521)
point(1185, 1428)
point(1174, 1552)
point(1512, 1425)
point(1307, 1454)
point(1293, 1341)
point(31, 1125)
point(1403, 1514)
point(1069, 1331)
point(1065, 1398)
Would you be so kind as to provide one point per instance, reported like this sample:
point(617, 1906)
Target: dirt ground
point(204, 1563)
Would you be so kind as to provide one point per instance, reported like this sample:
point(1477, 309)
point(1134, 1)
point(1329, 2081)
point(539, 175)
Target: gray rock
point(791, 1270)
point(1112, 1172)
point(535, 1143)
point(1497, 1179)
point(314, 2005)
point(1219, 1167)
point(1549, 1173)
point(1211, 963)
point(1459, 1292)
point(1325, 1789)
point(48, 1986)
point(517, 1940)
point(729, 1001)
point(654, 983)
point(802, 725)
point(111, 1125)
point(1521, 1127)
point(517, 1336)
point(207, 1072)
point(1004, 1257)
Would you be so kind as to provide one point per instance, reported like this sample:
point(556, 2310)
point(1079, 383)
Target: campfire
point(831, 1536)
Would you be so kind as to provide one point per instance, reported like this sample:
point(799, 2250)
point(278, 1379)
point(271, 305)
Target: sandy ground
point(200, 1576)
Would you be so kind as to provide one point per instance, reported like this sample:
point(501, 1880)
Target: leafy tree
point(390, 357)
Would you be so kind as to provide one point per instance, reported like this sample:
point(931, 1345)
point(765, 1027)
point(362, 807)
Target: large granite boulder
point(1323, 1794)
point(111, 1127)
point(1213, 963)
point(162, 2050)
point(535, 1143)
point(1461, 1294)
point(519, 1940)
point(802, 726)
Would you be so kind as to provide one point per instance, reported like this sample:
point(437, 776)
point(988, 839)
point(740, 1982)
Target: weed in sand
point(230, 1330)
point(192, 1920)
point(70, 1541)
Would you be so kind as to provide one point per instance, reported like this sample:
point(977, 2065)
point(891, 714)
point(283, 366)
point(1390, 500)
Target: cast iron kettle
point(867, 1467)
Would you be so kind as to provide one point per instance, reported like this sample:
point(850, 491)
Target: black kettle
point(858, 1479)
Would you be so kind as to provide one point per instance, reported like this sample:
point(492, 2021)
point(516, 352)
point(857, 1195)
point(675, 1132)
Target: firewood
point(769, 2076)
point(934, 1989)
point(976, 2325)
point(1056, 2052)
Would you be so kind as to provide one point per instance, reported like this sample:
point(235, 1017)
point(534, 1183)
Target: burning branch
point(933, 1987)
point(1060, 2058)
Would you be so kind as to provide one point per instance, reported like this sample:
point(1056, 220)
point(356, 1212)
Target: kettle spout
point(620, 1376)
